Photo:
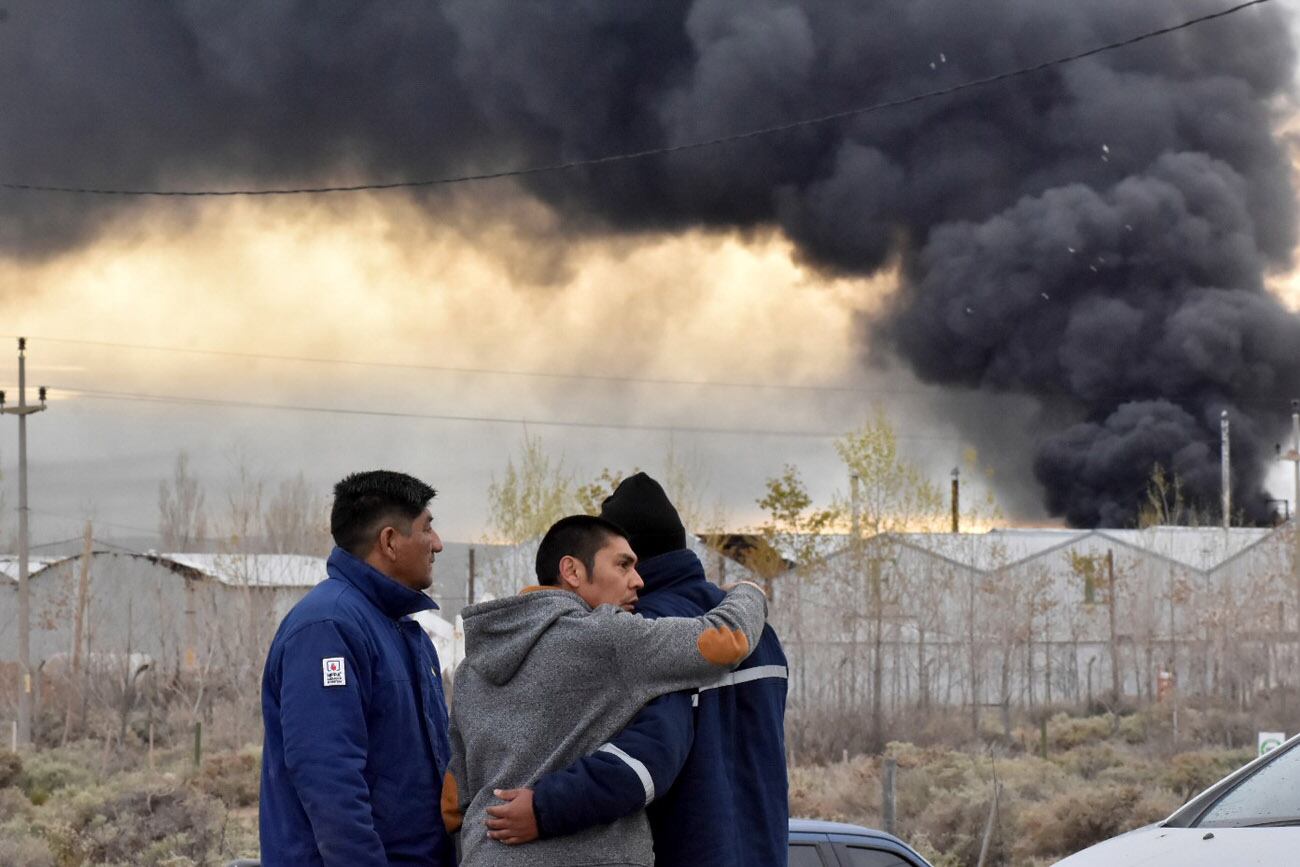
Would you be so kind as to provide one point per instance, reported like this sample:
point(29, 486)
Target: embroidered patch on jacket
point(335, 675)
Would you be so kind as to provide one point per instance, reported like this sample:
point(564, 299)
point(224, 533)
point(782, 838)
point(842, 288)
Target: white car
point(1250, 818)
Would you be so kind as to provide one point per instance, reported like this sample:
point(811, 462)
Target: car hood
point(1187, 847)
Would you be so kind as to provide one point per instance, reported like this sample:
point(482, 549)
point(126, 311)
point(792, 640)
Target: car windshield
point(1270, 796)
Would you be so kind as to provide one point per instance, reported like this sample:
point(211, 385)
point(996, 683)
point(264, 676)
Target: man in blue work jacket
point(708, 766)
point(356, 722)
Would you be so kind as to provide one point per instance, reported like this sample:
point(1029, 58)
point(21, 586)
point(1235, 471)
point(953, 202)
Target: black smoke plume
point(1095, 236)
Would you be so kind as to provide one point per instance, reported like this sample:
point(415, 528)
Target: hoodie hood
point(673, 578)
point(500, 634)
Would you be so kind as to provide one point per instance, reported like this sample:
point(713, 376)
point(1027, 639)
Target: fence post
point(887, 796)
point(198, 743)
point(988, 825)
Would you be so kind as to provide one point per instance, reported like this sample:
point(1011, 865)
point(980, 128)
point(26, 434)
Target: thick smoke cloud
point(1095, 236)
point(1141, 304)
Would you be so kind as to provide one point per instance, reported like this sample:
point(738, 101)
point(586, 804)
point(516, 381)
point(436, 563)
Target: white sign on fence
point(1269, 741)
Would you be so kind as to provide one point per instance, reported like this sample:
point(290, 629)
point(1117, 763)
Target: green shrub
point(14, 805)
point(1135, 728)
point(150, 824)
point(1189, 773)
point(1229, 728)
point(232, 778)
point(1090, 760)
point(954, 823)
point(841, 791)
point(25, 850)
point(45, 773)
point(1066, 733)
point(1084, 816)
point(11, 769)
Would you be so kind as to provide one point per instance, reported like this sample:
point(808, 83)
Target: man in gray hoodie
point(554, 673)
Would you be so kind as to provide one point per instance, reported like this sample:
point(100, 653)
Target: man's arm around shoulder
point(621, 777)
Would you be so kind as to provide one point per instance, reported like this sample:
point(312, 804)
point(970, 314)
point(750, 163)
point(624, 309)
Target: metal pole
point(887, 796)
point(1295, 521)
point(988, 826)
point(1114, 638)
point(1225, 460)
point(24, 721)
point(956, 498)
point(24, 591)
point(470, 600)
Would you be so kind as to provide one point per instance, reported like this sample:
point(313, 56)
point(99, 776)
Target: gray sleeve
point(672, 653)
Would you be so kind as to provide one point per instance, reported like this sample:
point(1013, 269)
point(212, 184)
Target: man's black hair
point(579, 536)
point(365, 503)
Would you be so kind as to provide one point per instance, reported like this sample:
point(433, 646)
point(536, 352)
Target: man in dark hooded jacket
point(710, 764)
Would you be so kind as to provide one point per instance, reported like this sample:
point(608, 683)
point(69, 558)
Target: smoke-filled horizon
point(1095, 237)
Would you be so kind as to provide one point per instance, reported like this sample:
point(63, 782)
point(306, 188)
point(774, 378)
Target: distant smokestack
point(1226, 469)
point(956, 499)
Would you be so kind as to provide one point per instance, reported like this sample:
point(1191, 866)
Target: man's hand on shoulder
point(513, 821)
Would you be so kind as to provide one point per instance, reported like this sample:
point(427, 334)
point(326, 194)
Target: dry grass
point(1101, 777)
point(84, 806)
point(61, 813)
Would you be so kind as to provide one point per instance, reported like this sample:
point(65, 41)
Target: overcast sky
point(351, 284)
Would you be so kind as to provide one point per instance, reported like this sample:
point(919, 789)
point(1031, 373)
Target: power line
point(539, 374)
point(98, 522)
point(1034, 391)
point(79, 539)
point(375, 413)
point(55, 542)
point(657, 151)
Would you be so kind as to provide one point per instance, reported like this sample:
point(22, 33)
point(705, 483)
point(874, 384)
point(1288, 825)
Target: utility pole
point(956, 499)
point(1295, 521)
point(1114, 635)
point(1225, 471)
point(24, 594)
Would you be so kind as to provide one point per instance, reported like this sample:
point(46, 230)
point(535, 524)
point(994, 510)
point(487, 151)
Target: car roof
point(817, 826)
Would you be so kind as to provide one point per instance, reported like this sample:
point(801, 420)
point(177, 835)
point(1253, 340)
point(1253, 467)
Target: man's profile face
point(613, 579)
point(415, 553)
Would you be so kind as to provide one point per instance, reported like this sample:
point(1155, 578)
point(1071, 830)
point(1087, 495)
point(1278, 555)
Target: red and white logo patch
point(335, 674)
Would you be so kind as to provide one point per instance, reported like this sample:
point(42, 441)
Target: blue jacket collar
point(393, 599)
point(671, 569)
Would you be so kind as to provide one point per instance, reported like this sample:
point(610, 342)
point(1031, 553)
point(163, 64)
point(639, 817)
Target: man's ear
point(572, 572)
point(384, 544)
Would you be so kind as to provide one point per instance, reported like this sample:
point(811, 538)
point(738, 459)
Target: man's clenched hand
point(513, 821)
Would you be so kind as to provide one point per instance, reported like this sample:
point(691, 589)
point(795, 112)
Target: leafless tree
point(182, 522)
point(296, 520)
